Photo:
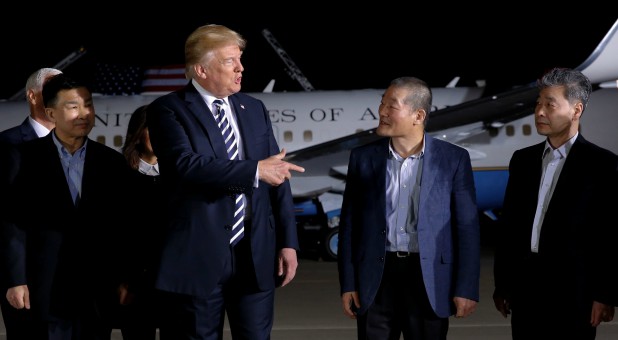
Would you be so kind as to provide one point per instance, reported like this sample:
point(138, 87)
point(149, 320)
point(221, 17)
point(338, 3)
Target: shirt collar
point(148, 169)
point(207, 96)
point(393, 154)
point(563, 150)
point(64, 153)
point(39, 129)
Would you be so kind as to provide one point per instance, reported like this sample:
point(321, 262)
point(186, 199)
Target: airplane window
point(527, 129)
point(117, 141)
point(101, 139)
point(287, 136)
point(307, 136)
point(510, 130)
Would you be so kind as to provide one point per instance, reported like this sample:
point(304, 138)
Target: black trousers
point(23, 324)
point(401, 305)
point(550, 301)
point(15, 320)
point(140, 319)
point(79, 329)
point(250, 312)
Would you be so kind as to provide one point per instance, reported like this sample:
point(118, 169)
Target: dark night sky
point(336, 50)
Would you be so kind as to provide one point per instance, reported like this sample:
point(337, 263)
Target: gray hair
point(577, 86)
point(419, 97)
point(37, 79)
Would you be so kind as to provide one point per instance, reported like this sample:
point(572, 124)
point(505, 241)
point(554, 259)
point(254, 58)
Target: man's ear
point(578, 110)
point(49, 112)
point(421, 115)
point(200, 70)
point(31, 96)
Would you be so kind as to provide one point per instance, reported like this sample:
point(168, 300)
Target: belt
point(401, 254)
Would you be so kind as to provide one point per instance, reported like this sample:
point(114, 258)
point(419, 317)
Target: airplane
point(318, 129)
point(300, 119)
point(490, 128)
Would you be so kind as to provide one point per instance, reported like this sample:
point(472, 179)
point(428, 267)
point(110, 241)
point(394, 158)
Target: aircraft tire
point(330, 239)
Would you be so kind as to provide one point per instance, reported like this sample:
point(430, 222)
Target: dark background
point(347, 48)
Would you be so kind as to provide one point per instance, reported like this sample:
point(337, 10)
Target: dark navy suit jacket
point(448, 225)
point(18, 134)
point(201, 182)
point(578, 236)
point(70, 257)
point(8, 139)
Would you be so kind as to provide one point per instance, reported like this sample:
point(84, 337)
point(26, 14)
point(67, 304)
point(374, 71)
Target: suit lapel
point(51, 152)
point(27, 131)
point(90, 164)
point(378, 156)
point(432, 158)
point(242, 120)
point(570, 173)
point(206, 119)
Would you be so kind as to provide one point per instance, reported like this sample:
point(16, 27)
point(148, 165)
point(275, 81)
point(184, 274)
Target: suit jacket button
point(381, 258)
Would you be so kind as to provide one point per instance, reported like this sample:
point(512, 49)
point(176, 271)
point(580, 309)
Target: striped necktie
point(231, 146)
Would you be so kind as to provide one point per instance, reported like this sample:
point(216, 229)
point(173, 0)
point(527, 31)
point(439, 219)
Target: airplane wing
point(326, 163)
point(462, 121)
point(499, 108)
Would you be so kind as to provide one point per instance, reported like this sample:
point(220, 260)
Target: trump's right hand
point(274, 170)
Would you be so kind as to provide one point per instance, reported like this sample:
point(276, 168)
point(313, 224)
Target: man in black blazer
point(554, 267)
point(73, 262)
point(34, 126)
point(203, 272)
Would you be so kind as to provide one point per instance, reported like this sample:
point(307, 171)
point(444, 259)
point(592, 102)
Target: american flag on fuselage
point(114, 79)
point(164, 79)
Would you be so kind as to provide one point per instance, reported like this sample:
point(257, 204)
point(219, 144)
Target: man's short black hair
point(56, 84)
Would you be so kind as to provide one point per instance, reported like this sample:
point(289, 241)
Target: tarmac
point(309, 308)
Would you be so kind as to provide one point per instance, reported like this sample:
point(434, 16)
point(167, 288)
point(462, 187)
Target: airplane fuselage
point(300, 119)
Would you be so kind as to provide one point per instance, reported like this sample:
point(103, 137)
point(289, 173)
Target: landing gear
point(328, 246)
